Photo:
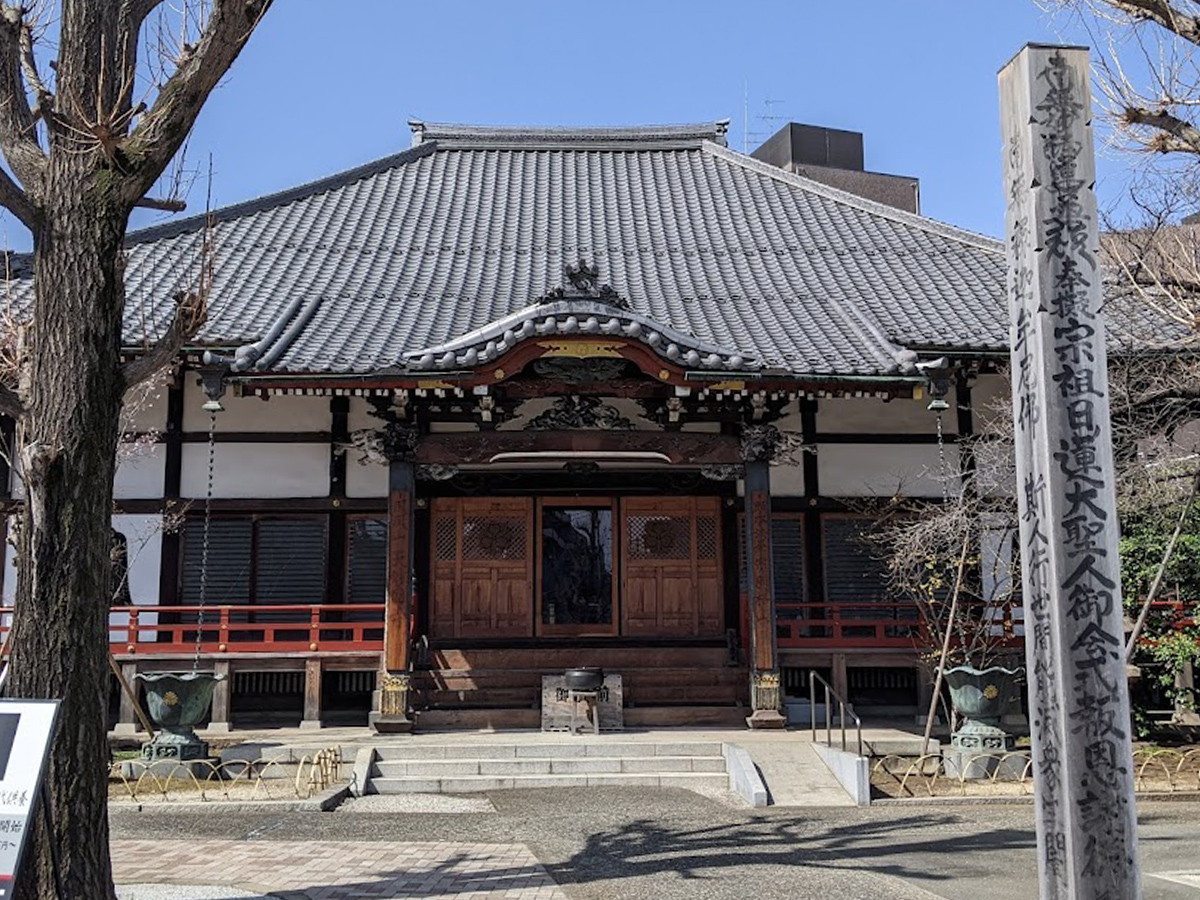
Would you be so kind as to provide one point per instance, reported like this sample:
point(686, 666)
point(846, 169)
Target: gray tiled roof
point(371, 268)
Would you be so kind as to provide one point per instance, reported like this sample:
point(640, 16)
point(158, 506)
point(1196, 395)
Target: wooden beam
point(480, 448)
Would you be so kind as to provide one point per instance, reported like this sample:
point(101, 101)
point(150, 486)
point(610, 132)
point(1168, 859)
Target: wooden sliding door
point(671, 556)
point(482, 571)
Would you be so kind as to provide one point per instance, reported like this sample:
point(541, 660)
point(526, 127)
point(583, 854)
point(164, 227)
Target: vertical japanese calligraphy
point(1079, 705)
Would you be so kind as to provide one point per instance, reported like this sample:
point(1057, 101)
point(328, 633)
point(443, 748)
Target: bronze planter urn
point(177, 703)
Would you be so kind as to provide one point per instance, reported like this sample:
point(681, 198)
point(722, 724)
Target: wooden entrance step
point(472, 767)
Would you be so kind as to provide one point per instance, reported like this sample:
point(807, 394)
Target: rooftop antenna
point(745, 116)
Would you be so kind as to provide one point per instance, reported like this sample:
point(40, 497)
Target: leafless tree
point(97, 98)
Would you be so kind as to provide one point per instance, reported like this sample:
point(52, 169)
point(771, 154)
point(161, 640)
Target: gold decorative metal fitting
point(399, 682)
point(171, 698)
point(991, 692)
point(766, 679)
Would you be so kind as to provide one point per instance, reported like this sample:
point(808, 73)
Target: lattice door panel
point(672, 567)
point(482, 567)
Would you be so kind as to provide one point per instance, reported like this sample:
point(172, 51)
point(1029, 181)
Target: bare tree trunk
point(69, 438)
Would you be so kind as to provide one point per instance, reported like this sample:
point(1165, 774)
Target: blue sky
point(321, 88)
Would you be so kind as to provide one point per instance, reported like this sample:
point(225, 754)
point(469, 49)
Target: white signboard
point(26, 728)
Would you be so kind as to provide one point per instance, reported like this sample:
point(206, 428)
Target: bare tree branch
point(1177, 135)
point(190, 313)
point(17, 202)
point(1163, 13)
point(18, 128)
point(162, 130)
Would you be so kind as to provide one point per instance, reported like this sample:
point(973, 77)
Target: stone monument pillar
point(1078, 695)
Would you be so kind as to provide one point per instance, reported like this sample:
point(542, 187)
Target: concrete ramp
point(795, 775)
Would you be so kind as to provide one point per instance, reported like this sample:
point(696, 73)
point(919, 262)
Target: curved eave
point(577, 318)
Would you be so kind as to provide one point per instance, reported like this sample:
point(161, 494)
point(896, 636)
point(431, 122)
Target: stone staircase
point(467, 767)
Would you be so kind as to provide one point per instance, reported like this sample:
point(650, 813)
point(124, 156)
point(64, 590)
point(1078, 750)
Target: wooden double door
point(597, 566)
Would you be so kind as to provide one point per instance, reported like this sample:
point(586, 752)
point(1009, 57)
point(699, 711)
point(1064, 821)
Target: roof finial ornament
point(584, 285)
point(583, 277)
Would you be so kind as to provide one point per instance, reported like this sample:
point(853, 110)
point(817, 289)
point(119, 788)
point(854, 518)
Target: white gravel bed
point(416, 803)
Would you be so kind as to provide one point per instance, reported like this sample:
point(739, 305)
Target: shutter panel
point(230, 543)
point(787, 559)
point(853, 574)
point(367, 569)
point(290, 566)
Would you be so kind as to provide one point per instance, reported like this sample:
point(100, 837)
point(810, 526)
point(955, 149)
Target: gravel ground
point(416, 803)
point(183, 892)
point(605, 843)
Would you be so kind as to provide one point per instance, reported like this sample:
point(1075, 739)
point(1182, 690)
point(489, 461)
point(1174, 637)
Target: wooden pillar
point(392, 715)
point(312, 695)
point(222, 700)
point(766, 692)
point(1078, 693)
point(839, 677)
point(127, 719)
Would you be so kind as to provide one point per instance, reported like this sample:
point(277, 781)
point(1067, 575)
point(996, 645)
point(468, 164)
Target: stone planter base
point(975, 765)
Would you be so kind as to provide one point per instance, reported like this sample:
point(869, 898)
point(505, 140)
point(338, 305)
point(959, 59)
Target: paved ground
point(630, 844)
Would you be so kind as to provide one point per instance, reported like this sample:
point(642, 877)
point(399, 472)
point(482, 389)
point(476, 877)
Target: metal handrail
point(813, 678)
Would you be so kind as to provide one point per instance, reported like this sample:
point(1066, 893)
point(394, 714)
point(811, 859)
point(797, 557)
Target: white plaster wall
point(883, 470)
point(10, 568)
point(871, 415)
point(990, 409)
point(787, 481)
point(141, 469)
point(276, 413)
point(146, 412)
point(359, 416)
point(15, 484)
point(144, 534)
point(369, 480)
point(258, 470)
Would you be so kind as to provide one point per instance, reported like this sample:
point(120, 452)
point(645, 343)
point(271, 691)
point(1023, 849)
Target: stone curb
point(744, 779)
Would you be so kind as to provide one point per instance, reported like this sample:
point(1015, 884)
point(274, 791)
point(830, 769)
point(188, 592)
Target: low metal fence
point(246, 780)
point(1157, 770)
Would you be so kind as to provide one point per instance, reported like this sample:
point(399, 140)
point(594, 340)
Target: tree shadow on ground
point(891, 848)
point(460, 873)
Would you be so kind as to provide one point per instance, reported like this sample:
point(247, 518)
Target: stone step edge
point(416, 784)
point(564, 750)
point(678, 764)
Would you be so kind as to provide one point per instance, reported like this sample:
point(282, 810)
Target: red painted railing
point(152, 630)
point(856, 625)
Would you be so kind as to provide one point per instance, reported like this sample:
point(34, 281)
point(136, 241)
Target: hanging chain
point(208, 493)
point(941, 442)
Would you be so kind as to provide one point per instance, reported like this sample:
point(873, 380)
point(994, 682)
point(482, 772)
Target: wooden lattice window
point(482, 573)
point(672, 567)
point(492, 537)
point(659, 537)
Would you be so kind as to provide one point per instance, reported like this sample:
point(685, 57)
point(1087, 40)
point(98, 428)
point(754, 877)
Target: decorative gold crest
point(582, 349)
